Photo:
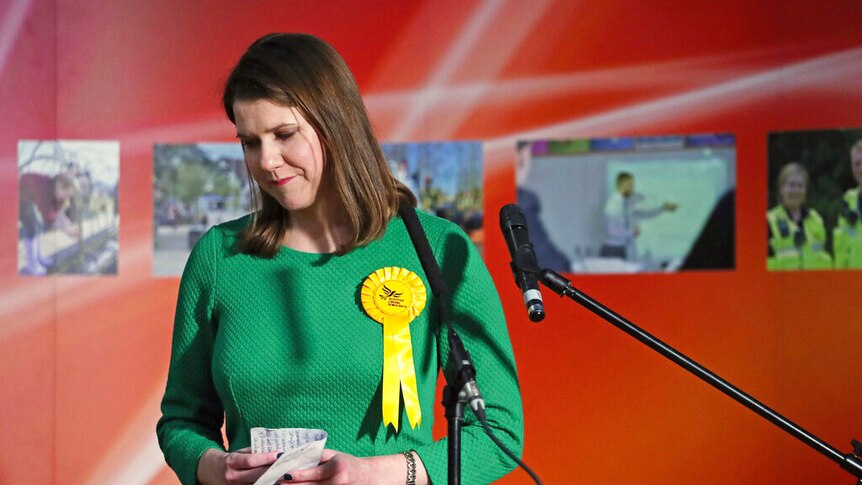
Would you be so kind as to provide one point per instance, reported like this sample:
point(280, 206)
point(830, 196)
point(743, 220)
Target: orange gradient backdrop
point(83, 360)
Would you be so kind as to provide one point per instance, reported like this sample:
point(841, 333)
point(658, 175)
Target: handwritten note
point(267, 440)
point(301, 448)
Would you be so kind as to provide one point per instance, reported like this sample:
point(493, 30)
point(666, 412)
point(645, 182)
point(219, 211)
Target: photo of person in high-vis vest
point(797, 235)
point(847, 235)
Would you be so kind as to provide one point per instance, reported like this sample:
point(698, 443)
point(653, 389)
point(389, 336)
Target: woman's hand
point(63, 223)
point(338, 468)
point(239, 467)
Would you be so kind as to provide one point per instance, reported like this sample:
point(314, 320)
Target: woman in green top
point(270, 328)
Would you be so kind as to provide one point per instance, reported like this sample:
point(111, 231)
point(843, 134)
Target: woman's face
point(524, 162)
point(856, 165)
point(62, 192)
point(793, 191)
point(283, 154)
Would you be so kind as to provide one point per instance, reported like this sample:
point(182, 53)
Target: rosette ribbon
point(393, 297)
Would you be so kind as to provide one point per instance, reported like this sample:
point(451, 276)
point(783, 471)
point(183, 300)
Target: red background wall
point(83, 360)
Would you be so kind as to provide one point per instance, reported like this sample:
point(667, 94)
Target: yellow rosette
point(393, 297)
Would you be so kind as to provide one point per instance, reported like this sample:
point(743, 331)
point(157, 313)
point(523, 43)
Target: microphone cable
point(511, 455)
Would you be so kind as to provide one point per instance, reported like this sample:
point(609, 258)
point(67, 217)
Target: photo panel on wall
point(68, 218)
point(814, 221)
point(630, 204)
point(446, 178)
point(195, 186)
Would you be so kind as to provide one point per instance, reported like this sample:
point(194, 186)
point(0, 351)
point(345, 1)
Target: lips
point(283, 181)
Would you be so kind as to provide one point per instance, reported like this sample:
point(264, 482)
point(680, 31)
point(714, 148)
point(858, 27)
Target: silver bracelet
point(411, 467)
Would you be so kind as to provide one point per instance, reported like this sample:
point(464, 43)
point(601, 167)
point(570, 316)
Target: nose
point(270, 157)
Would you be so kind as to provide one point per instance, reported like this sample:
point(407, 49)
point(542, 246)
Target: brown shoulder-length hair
point(303, 72)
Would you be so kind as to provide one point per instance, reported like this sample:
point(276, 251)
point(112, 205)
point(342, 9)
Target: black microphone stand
point(455, 400)
point(850, 462)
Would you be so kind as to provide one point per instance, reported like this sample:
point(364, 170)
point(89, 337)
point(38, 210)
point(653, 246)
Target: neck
point(316, 231)
point(795, 212)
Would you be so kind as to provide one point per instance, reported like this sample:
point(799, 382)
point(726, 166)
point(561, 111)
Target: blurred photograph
point(814, 220)
point(196, 186)
point(446, 178)
point(68, 222)
point(630, 204)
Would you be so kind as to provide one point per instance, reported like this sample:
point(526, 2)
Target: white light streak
point(11, 27)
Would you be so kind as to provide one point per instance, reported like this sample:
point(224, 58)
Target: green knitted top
point(285, 343)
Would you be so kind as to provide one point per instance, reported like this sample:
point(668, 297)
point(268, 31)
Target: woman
point(45, 203)
point(797, 236)
point(272, 328)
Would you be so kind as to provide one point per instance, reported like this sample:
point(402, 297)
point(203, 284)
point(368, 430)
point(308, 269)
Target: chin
point(296, 205)
point(290, 204)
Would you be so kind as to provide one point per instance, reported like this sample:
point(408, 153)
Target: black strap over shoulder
point(426, 255)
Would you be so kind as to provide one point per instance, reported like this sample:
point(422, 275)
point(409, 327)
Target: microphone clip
point(464, 377)
point(525, 260)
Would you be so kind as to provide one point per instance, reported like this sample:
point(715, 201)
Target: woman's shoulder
point(776, 211)
point(813, 214)
point(435, 226)
point(449, 241)
point(441, 233)
point(223, 237)
point(233, 227)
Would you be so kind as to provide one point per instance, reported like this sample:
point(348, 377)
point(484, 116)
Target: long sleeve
point(645, 207)
point(192, 413)
point(478, 317)
point(840, 244)
point(619, 231)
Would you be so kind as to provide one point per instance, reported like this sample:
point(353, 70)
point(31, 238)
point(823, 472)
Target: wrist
point(392, 469)
point(411, 467)
point(210, 465)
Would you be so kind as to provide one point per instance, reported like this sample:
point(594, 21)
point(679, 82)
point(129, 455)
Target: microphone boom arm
point(850, 462)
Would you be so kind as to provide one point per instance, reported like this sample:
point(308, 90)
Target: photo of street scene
point(446, 178)
point(195, 187)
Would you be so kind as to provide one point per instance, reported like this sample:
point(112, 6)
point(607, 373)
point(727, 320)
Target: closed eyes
point(249, 143)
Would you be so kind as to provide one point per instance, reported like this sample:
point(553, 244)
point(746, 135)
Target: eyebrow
point(270, 130)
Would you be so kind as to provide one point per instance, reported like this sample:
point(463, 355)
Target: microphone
point(513, 223)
